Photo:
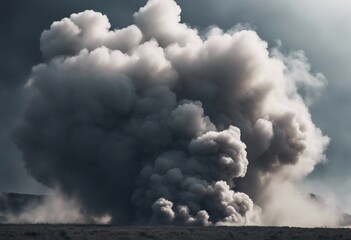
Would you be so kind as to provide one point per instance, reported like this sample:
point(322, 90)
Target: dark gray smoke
point(155, 124)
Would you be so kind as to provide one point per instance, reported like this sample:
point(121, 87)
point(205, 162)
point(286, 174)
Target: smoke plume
point(158, 124)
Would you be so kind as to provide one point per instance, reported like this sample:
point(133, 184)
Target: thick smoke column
point(155, 124)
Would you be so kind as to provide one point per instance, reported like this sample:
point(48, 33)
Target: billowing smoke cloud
point(157, 124)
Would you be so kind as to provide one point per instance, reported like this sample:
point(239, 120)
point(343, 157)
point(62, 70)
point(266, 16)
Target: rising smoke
point(158, 124)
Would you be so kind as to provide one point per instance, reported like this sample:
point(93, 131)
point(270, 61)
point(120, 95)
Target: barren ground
point(87, 232)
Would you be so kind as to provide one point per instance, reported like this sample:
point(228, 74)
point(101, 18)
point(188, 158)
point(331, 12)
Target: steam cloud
point(158, 124)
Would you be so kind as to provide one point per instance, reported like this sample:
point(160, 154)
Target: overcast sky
point(321, 28)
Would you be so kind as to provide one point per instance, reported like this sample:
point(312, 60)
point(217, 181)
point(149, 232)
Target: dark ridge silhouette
point(109, 232)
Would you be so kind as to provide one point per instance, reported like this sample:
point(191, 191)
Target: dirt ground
point(90, 232)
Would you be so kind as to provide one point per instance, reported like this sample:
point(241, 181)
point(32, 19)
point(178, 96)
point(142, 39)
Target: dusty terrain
point(87, 232)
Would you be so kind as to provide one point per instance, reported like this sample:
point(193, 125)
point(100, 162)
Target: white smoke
point(155, 124)
point(55, 208)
